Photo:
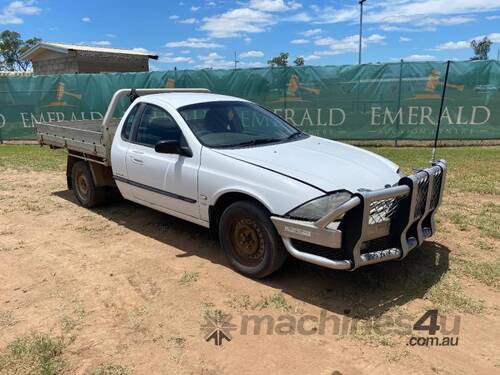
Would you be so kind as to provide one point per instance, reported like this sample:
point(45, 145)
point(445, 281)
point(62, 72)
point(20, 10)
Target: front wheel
point(249, 240)
point(84, 187)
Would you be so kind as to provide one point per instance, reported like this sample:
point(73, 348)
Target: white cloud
point(419, 58)
point(332, 15)
point(254, 17)
point(494, 37)
point(312, 32)
point(194, 8)
point(251, 54)
point(414, 12)
point(403, 39)
point(492, 18)
point(188, 21)
point(237, 22)
point(247, 39)
point(346, 45)
point(452, 45)
point(185, 51)
point(111, 35)
point(404, 11)
point(143, 50)
point(312, 57)
point(299, 41)
point(86, 19)
point(274, 5)
point(169, 58)
point(298, 17)
point(375, 38)
point(194, 43)
point(464, 44)
point(216, 61)
point(101, 43)
point(448, 21)
point(173, 17)
point(11, 13)
point(389, 28)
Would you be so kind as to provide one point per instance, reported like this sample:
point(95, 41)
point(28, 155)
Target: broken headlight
point(319, 207)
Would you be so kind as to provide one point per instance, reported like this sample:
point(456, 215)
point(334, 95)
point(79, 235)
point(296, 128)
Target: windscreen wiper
point(293, 135)
point(255, 142)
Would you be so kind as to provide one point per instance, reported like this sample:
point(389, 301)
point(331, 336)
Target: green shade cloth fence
point(351, 102)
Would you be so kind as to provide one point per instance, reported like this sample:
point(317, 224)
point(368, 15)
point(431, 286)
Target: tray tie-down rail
point(400, 217)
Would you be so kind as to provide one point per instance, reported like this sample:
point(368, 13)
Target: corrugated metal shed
point(60, 58)
point(15, 74)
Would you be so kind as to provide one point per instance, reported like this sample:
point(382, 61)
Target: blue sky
point(205, 33)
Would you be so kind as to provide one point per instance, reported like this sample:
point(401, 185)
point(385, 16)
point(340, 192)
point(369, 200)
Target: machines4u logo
point(432, 323)
point(217, 328)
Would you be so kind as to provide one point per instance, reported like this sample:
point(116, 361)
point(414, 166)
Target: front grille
point(422, 189)
point(436, 188)
point(382, 210)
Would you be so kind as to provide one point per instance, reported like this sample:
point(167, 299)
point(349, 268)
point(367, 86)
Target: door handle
point(136, 160)
point(137, 152)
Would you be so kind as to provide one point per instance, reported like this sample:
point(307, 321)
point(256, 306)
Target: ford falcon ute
point(263, 187)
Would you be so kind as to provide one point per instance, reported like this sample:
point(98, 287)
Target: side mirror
point(172, 147)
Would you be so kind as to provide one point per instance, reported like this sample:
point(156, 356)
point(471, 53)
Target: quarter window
point(127, 126)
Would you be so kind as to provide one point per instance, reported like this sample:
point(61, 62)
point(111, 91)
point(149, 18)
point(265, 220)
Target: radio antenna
point(433, 159)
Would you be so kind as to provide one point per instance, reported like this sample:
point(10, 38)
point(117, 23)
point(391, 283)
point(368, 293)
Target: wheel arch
point(101, 174)
point(69, 169)
point(224, 200)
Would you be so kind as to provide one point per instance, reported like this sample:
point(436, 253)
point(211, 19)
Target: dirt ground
point(132, 288)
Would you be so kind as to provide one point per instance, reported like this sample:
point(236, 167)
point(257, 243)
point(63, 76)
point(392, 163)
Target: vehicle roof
point(181, 99)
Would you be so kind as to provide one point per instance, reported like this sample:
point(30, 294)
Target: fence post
point(399, 99)
point(284, 89)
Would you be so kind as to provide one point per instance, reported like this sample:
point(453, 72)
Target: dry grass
point(34, 354)
point(453, 272)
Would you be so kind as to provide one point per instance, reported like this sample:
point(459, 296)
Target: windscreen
point(236, 124)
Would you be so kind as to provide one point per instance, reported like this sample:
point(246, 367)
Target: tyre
point(84, 187)
point(249, 240)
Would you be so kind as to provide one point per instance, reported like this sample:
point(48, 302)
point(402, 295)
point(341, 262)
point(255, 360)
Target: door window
point(156, 125)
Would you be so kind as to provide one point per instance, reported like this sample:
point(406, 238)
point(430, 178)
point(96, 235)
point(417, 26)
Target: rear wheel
point(84, 187)
point(249, 240)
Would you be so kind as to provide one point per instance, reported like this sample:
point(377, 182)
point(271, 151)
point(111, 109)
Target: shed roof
point(65, 48)
point(16, 73)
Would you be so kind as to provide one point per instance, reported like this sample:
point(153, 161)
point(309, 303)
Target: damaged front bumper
point(371, 227)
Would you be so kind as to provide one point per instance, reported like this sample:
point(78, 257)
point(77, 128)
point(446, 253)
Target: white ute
point(265, 188)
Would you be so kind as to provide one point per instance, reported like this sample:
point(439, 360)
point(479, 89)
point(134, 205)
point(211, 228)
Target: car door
point(168, 181)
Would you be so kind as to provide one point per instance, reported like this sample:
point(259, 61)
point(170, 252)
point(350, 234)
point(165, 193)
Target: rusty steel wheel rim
point(82, 185)
point(247, 241)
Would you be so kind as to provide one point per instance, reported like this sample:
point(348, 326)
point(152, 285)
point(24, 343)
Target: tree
point(481, 48)
point(11, 49)
point(281, 60)
point(299, 61)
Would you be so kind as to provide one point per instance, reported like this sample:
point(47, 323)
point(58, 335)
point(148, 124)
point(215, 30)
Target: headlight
point(319, 207)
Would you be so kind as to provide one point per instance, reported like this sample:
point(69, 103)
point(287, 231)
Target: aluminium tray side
point(81, 136)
